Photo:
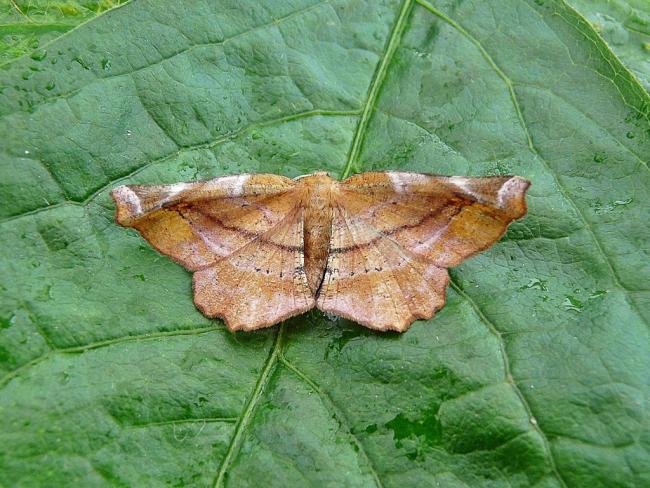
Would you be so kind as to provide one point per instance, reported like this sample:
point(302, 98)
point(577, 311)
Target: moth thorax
point(317, 233)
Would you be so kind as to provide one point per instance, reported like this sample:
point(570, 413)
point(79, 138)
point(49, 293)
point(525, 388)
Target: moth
point(373, 248)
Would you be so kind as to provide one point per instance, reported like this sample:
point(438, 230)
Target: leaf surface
point(535, 372)
point(625, 26)
point(26, 25)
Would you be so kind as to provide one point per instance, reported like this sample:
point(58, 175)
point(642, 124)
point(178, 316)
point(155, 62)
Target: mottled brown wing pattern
point(371, 279)
point(242, 235)
point(260, 283)
point(373, 248)
point(443, 218)
point(395, 233)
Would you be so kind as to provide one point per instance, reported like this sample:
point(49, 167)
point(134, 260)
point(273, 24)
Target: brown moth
point(373, 248)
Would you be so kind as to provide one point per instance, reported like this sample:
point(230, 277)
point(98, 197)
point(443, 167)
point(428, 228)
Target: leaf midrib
point(276, 350)
point(375, 86)
point(251, 406)
point(355, 149)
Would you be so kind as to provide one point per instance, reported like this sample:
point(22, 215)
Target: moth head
point(317, 173)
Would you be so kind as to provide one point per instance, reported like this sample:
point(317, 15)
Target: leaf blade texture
point(533, 374)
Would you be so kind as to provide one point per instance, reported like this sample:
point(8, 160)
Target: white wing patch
point(175, 189)
point(124, 193)
point(510, 187)
point(400, 180)
point(465, 185)
point(233, 184)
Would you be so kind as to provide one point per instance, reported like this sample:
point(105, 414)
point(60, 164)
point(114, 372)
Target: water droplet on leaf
point(6, 323)
point(602, 208)
point(536, 284)
point(39, 55)
point(83, 63)
point(599, 157)
point(597, 294)
point(572, 303)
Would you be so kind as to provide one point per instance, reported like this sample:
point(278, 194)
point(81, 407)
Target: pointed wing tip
point(512, 196)
point(127, 205)
point(520, 183)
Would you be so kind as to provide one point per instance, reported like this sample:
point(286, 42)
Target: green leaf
point(26, 25)
point(625, 26)
point(534, 374)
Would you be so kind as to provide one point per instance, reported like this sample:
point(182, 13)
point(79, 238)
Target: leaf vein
point(184, 50)
point(251, 406)
point(375, 86)
point(204, 420)
point(531, 146)
point(510, 379)
point(100, 344)
point(203, 145)
point(327, 401)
